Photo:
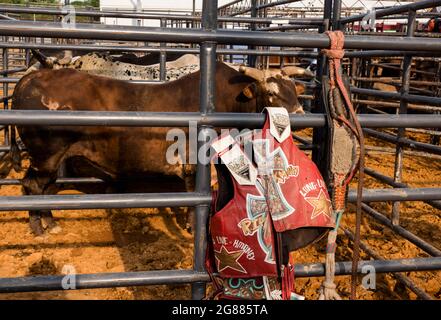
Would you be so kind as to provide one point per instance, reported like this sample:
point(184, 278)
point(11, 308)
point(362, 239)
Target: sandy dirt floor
point(95, 241)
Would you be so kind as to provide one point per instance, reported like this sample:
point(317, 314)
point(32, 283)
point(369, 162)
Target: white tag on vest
point(280, 126)
point(236, 161)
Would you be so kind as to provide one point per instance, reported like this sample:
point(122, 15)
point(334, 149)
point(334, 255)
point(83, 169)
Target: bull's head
point(53, 62)
point(274, 88)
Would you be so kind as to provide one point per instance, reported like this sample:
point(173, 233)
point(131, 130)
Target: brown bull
point(147, 59)
point(119, 153)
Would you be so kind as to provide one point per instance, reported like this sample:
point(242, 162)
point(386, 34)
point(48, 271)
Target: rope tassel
point(328, 289)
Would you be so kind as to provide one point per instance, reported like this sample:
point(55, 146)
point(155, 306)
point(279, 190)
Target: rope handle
point(335, 53)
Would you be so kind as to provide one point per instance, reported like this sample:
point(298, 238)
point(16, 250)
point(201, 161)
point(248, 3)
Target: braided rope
point(335, 54)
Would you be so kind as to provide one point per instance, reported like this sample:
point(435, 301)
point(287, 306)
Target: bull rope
point(341, 182)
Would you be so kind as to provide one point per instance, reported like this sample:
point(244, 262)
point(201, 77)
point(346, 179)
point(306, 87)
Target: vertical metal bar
point(263, 13)
point(336, 15)
point(231, 56)
point(319, 155)
point(253, 26)
point(27, 52)
point(407, 65)
point(203, 172)
point(5, 89)
point(327, 13)
point(163, 56)
point(193, 13)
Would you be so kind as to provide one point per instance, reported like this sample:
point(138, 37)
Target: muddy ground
point(95, 241)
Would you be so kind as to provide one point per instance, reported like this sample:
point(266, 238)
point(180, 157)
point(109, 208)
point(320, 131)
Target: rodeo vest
point(267, 186)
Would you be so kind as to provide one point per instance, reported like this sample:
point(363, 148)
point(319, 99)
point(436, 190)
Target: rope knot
point(333, 53)
point(337, 40)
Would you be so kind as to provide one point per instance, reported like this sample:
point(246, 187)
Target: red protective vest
point(276, 188)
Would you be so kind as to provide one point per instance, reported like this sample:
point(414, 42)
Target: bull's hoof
point(181, 221)
point(37, 228)
point(48, 222)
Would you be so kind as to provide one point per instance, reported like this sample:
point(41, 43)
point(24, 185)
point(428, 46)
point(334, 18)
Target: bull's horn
point(252, 72)
point(45, 61)
point(293, 71)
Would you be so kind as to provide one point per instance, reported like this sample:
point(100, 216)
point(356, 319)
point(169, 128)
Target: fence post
point(407, 66)
point(251, 58)
point(6, 89)
point(163, 56)
point(336, 15)
point(203, 172)
point(319, 155)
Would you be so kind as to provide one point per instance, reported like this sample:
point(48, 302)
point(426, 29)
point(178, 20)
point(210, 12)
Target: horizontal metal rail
point(388, 53)
point(9, 80)
point(426, 147)
point(17, 182)
point(420, 243)
point(190, 199)
point(292, 53)
point(116, 48)
point(150, 16)
point(398, 96)
point(390, 181)
point(288, 27)
point(176, 119)
point(397, 67)
point(396, 105)
point(152, 34)
point(10, 71)
point(402, 194)
point(394, 10)
point(168, 277)
point(396, 82)
point(103, 201)
point(400, 277)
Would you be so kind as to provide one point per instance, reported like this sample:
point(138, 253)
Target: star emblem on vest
point(321, 205)
point(228, 259)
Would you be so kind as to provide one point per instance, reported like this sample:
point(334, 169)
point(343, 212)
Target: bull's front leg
point(35, 223)
point(190, 182)
point(40, 183)
point(41, 221)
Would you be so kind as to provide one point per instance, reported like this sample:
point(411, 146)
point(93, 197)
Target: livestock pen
point(210, 31)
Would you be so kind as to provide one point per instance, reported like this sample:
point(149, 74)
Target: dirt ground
point(94, 241)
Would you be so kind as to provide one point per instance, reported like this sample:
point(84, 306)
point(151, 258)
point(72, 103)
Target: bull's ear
point(300, 88)
point(250, 91)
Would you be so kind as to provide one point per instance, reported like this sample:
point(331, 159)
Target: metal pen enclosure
point(208, 37)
